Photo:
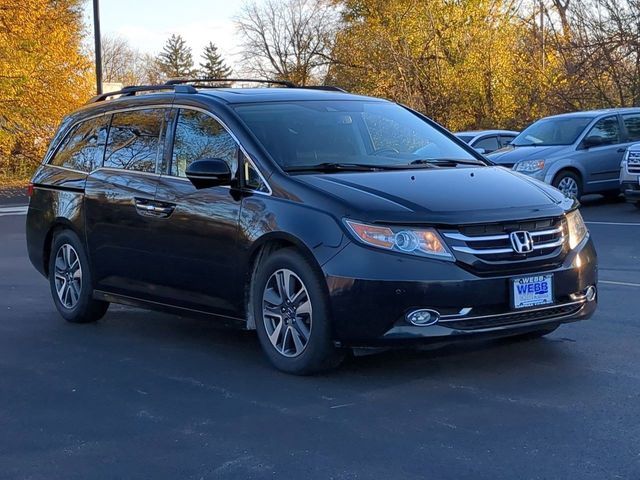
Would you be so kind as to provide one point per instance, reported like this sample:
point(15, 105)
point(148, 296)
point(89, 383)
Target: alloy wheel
point(68, 276)
point(568, 186)
point(287, 313)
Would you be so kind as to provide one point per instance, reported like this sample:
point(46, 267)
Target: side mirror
point(209, 172)
point(481, 151)
point(593, 141)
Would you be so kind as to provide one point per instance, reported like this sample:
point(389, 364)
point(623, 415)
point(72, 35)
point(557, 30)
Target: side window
point(488, 143)
point(83, 147)
point(199, 136)
point(608, 129)
point(506, 140)
point(632, 124)
point(135, 140)
point(252, 177)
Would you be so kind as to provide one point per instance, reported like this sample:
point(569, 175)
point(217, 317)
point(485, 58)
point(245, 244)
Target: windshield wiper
point(448, 161)
point(333, 167)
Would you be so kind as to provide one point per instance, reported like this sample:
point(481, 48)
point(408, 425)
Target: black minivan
point(325, 221)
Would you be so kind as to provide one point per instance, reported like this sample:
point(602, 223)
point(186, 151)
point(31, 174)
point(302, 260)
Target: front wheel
point(568, 183)
point(70, 280)
point(292, 314)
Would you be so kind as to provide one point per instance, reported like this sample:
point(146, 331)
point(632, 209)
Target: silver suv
point(577, 153)
point(630, 174)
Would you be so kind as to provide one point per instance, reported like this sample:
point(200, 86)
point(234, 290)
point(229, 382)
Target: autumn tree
point(213, 65)
point(288, 39)
point(176, 59)
point(43, 75)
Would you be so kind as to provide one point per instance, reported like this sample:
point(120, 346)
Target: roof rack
point(184, 85)
point(133, 89)
point(180, 81)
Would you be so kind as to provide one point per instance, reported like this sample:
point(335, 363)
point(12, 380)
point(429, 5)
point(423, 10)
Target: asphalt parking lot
point(148, 395)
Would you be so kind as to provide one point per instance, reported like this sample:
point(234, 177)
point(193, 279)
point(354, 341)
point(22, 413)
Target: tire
point(568, 183)
point(71, 282)
point(300, 324)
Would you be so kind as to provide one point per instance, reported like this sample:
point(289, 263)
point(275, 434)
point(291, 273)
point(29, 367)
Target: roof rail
point(179, 81)
point(133, 89)
point(329, 88)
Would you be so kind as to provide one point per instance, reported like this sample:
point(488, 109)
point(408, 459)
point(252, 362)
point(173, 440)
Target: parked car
point(630, 175)
point(577, 153)
point(487, 141)
point(304, 214)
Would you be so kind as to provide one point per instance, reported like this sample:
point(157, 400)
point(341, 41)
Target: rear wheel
point(71, 282)
point(292, 314)
point(568, 183)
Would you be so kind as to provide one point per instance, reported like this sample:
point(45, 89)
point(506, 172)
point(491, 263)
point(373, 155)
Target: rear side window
point(632, 124)
point(83, 147)
point(199, 136)
point(135, 140)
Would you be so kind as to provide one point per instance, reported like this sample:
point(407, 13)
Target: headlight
point(529, 166)
point(577, 228)
point(424, 242)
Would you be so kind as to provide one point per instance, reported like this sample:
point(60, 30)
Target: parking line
point(614, 223)
point(624, 284)
point(14, 210)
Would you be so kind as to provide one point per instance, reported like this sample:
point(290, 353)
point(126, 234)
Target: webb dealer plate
point(532, 291)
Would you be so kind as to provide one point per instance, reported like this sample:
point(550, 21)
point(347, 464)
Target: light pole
point(98, 45)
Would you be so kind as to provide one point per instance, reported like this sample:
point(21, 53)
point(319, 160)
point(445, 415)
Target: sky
point(147, 24)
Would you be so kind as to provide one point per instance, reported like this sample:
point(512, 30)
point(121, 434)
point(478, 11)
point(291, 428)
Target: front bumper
point(371, 292)
point(631, 190)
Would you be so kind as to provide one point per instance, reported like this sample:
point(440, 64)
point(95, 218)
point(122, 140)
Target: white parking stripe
point(14, 210)
point(614, 223)
point(625, 284)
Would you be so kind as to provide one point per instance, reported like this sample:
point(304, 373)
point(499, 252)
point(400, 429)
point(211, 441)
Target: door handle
point(151, 208)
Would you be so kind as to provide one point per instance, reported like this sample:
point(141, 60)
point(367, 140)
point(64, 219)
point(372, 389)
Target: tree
point(43, 75)
point(213, 65)
point(123, 64)
point(288, 39)
point(176, 59)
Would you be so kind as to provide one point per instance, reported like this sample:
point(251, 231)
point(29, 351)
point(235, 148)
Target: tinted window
point(465, 138)
point(199, 136)
point(83, 147)
point(506, 139)
point(632, 124)
point(488, 143)
point(309, 133)
point(607, 128)
point(252, 178)
point(553, 131)
point(134, 140)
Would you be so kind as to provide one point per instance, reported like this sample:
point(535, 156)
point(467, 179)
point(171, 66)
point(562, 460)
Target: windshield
point(303, 134)
point(552, 131)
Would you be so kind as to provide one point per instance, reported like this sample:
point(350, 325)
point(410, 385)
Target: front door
point(198, 243)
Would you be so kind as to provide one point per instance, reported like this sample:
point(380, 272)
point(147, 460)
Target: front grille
point(633, 165)
point(486, 248)
point(513, 318)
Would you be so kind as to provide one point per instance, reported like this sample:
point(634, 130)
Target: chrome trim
point(460, 315)
point(516, 312)
point(123, 170)
point(487, 238)
point(495, 251)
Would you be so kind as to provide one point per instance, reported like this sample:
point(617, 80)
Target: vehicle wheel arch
point(264, 246)
point(573, 170)
point(59, 224)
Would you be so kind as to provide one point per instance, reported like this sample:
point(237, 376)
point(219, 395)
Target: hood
point(450, 196)
point(510, 155)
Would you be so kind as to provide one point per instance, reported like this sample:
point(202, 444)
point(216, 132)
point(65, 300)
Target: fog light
point(423, 318)
point(590, 293)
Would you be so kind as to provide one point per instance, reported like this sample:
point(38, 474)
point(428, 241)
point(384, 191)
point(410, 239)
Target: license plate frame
point(530, 299)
